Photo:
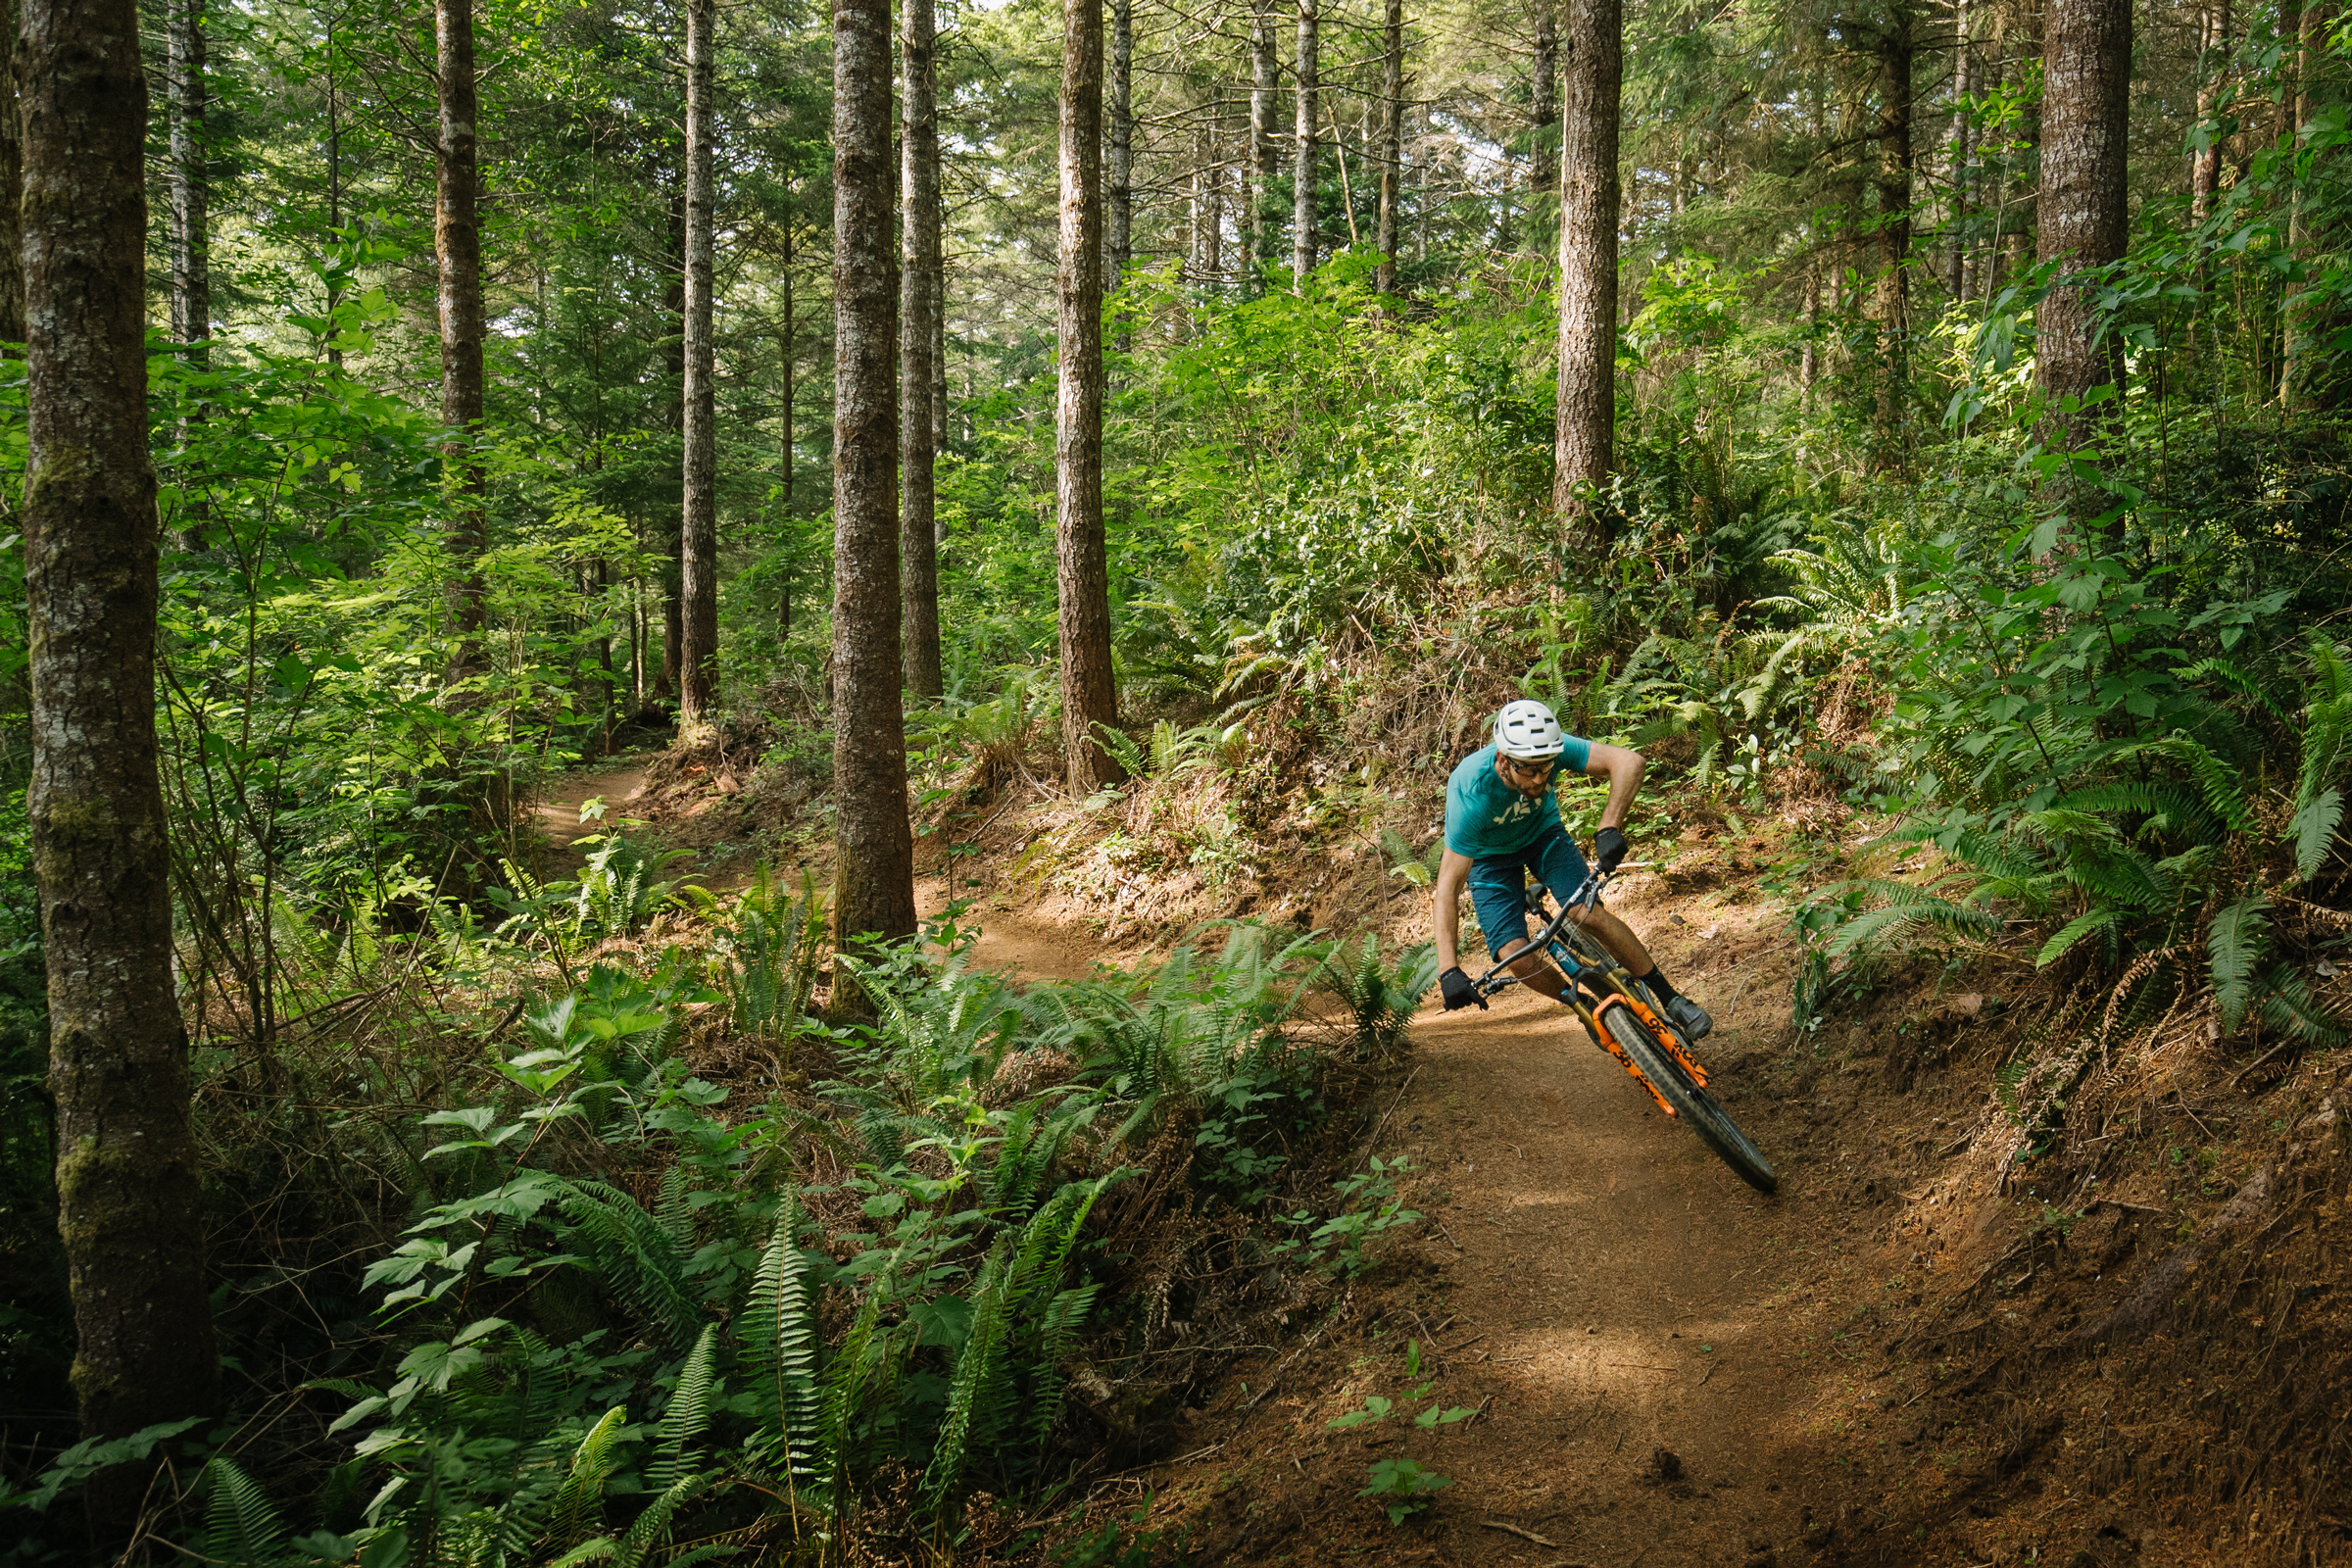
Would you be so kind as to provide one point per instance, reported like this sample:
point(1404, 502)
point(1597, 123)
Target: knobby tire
point(1690, 1102)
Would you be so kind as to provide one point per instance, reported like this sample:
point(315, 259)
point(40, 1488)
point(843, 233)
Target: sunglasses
point(1529, 771)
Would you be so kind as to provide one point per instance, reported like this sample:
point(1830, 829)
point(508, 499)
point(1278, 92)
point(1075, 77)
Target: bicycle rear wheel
point(1691, 1101)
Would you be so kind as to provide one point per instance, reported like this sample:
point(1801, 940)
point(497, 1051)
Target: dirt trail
point(557, 813)
point(1597, 1284)
point(1604, 1288)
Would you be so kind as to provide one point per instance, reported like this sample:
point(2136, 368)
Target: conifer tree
point(128, 1172)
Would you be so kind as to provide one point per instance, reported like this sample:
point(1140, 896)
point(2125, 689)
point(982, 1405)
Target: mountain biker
point(1502, 821)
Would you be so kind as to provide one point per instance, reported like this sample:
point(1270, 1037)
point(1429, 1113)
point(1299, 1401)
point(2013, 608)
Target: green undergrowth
point(678, 1270)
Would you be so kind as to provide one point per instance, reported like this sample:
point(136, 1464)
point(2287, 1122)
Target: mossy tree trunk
point(698, 532)
point(874, 879)
point(458, 253)
point(1585, 434)
point(2086, 69)
point(1265, 160)
point(1391, 141)
point(1306, 132)
point(1088, 694)
point(128, 1172)
point(920, 304)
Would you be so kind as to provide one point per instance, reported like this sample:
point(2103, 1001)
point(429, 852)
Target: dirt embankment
point(2117, 1340)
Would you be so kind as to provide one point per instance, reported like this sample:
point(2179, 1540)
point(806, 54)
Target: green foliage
point(1401, 1487)
point(1381, 998)
point(1368, 1206)
point(1398, 1484)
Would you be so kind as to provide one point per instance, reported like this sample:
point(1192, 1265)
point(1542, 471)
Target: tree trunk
point(2294, 387)
point(1088, 694)
point(1305, 132)
point(1203, 184)
point(1265, 81)
point(873, 877)
point(127, 1178)
point(1890, 294)
point(697, 564)
point(1955, 260)
point(1392, 141)
point(671, 548)
point(1544, 121)
point(2086, 54)
point(1808, 361)
point(458, 251)
point(1120, 214)
point(790, 368)
point(191, 270)
point(919, 302)
point(12, 185)
point(2205, 167)
point(1584, 448)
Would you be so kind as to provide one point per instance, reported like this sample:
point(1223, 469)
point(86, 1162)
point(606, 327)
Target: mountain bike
point(1625, 1020)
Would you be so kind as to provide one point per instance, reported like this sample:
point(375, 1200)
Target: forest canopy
point(1930, 411)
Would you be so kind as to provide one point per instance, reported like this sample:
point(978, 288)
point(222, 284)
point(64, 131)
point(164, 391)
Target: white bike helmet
point(1528, 731)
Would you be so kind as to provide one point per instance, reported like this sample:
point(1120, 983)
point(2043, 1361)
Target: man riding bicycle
point(1503, 821)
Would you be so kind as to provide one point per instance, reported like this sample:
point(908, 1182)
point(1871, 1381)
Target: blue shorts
point(1499, 884)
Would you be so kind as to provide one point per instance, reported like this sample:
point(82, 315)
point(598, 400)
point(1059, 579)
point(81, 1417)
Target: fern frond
point(778, 1350)
point(981, 1387)
point(2167, 806)
point(639, 1260)
point(2224, 786)
point(2234, 941)
point(688, 1413)
point(2075, 930)
point(2235, 676)
point(2316, 826)
point(241, 1529)
point(650, 1531)
point(2289, 1006)
point(583, 1485)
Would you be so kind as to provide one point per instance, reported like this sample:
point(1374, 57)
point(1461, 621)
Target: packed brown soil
point(1940, 1343)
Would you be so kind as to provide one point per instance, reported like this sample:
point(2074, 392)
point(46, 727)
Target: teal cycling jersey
point(1484, 816)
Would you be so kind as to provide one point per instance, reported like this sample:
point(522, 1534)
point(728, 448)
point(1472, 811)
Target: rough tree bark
point(1265, 82)
point(1891, 293)
point(1585, 437)
point(1955, 260)
point(12, 185)
point(127, 1170)
point(1544, 119)
point(2205, 168)
point(670, 546)
point(2300, 313)
point(190, 249)
point(1305, 132)
point(1392, 141)
point(1119, 210)
point(1088, 694)
point(2087, 55)
point(698, 534)
point(458, 252)
point(873, 878)
point(919, 303)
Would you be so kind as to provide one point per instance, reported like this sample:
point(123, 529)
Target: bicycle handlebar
point(1498, 977)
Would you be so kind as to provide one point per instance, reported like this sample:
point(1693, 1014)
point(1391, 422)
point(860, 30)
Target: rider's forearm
point(1624, 781)
point(1445, 918)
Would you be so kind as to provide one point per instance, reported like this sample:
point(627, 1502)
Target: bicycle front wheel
point(1691, 1101)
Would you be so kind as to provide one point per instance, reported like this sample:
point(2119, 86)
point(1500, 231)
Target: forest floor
point(1667, 1367)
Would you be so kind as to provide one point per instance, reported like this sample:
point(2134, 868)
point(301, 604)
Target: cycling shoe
point(1689, 1017)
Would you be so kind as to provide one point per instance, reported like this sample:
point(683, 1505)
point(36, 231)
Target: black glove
point(1608, 849)
point(1458, 991)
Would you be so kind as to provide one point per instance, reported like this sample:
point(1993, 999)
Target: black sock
point(1657, 980)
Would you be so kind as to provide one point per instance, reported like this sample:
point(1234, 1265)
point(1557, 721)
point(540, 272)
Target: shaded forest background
point(1942, 421)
